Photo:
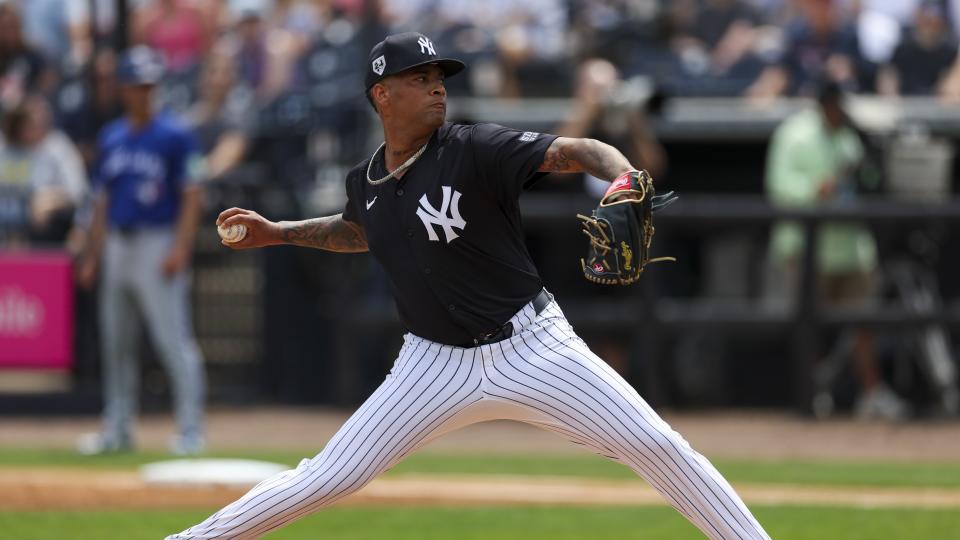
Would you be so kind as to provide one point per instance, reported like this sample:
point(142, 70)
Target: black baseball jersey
point(449, 231)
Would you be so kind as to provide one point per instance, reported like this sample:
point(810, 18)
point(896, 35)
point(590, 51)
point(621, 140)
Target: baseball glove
point(621, 230)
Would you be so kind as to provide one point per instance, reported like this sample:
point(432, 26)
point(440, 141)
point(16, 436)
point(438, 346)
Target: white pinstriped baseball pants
point(545, 376)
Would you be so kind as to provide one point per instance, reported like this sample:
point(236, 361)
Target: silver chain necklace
point(398, 170)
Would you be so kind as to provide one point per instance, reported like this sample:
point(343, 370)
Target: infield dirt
point(728, 436)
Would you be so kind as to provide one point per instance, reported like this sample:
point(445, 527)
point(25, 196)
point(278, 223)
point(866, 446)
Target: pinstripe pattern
point(544, 375)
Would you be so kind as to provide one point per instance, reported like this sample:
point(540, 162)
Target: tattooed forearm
point(587, 155)
point(557, 160)
point(331, 233)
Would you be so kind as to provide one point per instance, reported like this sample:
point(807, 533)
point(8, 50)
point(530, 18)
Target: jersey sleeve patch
point(529, 136)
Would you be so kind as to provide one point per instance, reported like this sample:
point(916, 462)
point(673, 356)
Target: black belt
point(506, 330)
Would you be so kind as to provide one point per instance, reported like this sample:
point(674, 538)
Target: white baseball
point(232, 234)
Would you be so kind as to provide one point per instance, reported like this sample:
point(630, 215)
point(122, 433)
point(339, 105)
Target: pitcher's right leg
point(428, 385)
point(550, 370)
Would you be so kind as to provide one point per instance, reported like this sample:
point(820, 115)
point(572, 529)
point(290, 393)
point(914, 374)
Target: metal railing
point(722, 119)
point(652, 317)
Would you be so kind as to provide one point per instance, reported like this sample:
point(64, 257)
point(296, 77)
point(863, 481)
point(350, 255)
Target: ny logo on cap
point(426, 46)
point(379, 64)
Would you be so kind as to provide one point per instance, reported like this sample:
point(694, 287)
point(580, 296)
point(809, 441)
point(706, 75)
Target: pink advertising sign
point(36, 310)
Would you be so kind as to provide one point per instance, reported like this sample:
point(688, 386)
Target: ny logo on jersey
point(430, 216)
point(426, 46)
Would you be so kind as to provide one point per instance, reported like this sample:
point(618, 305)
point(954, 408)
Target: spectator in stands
point(923, 59)
point(528, 39)
point(879, 24)
point(264, 55)
point(724, 29)
point(597, 113)
point(246, 44)
point(84, 110)
point(299, 19)
point(775, 12)
point(54, 28)
point(813, 160)
point(221, 117)
point(177, 29)
point(952, 9)
point(397, 14)
point(44, 167)
point(613, 29)
point(22, 69)
point(714, 45)
point(604, 110)
point(290, 27)
point(820, 46)
point(216, 16)
point(100, 17)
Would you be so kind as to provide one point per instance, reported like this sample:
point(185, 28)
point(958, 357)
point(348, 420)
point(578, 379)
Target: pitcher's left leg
point(550, 369)
point(427, 388)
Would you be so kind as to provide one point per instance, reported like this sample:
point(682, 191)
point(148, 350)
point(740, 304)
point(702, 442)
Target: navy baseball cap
point(401, 52)
point(140, 65)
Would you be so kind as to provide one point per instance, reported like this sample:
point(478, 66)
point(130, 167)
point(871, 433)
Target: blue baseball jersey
point(145, 171)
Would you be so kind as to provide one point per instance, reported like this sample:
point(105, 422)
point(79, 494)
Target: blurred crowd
point(272, 92)
point(243, 70)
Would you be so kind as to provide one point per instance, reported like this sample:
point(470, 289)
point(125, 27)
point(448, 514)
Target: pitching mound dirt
point(74, 489)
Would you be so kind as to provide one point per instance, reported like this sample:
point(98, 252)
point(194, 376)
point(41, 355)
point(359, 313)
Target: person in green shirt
point(813, 159)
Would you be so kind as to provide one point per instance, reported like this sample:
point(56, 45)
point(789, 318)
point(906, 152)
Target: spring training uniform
point(144, 173)
point(449, 235)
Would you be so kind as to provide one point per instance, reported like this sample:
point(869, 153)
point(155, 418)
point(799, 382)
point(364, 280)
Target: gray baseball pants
point(133, 287)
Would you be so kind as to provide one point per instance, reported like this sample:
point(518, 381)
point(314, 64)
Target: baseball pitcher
point(437, 205)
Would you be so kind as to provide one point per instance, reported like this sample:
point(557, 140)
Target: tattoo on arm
point(332, 233)
point(584, 155)
point(557, 160)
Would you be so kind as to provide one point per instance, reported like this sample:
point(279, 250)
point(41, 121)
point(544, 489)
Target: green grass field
point(846, 473)
point(527, 523)
point(787, 523)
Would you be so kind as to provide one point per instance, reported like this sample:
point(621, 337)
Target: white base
point(231, 472)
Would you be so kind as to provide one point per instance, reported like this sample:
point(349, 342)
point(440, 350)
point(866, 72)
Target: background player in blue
point(145, 220)
point(437, 205)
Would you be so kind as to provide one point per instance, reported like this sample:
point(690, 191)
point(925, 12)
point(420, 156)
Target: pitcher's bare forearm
point(332, 233)
point(585, 155)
